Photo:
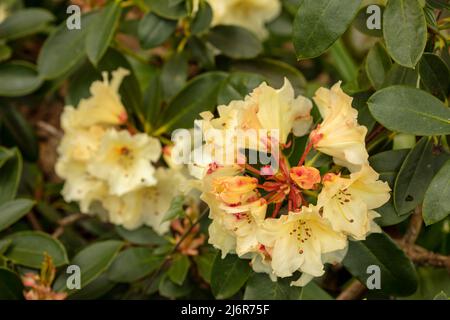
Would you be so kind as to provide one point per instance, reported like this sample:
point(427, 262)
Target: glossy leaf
point(25, 22)
point(228, 275)
point(434, 75)
point(378, 64)
point(261, 287)
point(179, 269)
point(13, 210)
point(410, 110)
point(436, 204)
point(318, 24)
point(18, 78)
point(11, 287)
point(154, 30)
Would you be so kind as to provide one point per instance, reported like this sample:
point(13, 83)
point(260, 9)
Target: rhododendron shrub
point(224, 149)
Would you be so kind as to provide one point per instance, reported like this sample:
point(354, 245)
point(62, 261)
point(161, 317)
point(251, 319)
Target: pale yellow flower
point(103, 107)
point(339, 135)
point(348, 203)
point(221, 239)
point(249, 14)
point(297, 242)
point(124, 161)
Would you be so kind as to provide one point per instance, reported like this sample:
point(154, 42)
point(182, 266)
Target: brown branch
point(415, 225)
point(65, 222)
point(34, 221)
point(354, 291)
point(422, 256)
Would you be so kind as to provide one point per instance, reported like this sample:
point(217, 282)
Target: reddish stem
point(305, 154)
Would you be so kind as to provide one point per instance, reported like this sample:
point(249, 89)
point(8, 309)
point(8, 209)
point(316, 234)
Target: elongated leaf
point(312, 291)
point(318, 24)
point(238, 85)
point(12, 211)
point(175, 210)
point(25, 22)
point(434, 75)
point(405, 31)
point(378, 64)
point(197, 96)
point(133, 264)
point(202, 19)
point(10, 174)
point(398, 275)
point(235, 42)
point(261, 287)
point(228, 276)
point(204, 264)
point(102, 31)
point(64, 49)
point(414, 176)
point(11, 287)
point(93, 261)
point(94, 290)
point(436, 205)
point(18, 78)
point(141, 236)
point(168, 9)
point(154, 30)
point(410, 110)
point(28, 248)
point(174, 75)
point(179, 269)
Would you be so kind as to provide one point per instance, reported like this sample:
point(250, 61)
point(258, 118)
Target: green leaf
point(152, 101)
point(235, 42)
point(141, 236)
point(18, 131)
point(4, 245)
point(18, 78)
point(363, 17)
point(436, 205)
point(94, 290)
point(171, 290)
point(237, 86)
point(261, 287)
point(154, 30)
point(274, 71)
point(405, 31)
point(414, 176)
point(229, 275)
point(202, 19)
point(318, 24)
point(398, 276)
point(13, 210)
point(179, 269)
point(168, 9)
point(101, 31)
point(93, 261)
point(11, 287)
point(204, 264)
point(64, 49)
point(10, 173)
point(312, 291)
point(410, 110)
point(434, 75)
point(378, 64)
point(200, 94)
point(399, 75)
point(133, 264)
point(25, 22)
point(28, 248)
point(80, 83)
point(343, 61)
point(174, 75)
point(5, 52)
point(432, 281)
point(175, 210)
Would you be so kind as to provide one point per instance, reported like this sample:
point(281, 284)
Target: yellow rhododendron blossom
point(103, 107)
point(249, 14)
point(339, 135)
point(298, 240)
point(124, 161)
point(348, 203)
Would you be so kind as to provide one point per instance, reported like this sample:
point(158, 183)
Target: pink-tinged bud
point(267, 171)
point(315, 136)
point(329, 177)
point(232, 190)
point(305, 177)
point(123, 117)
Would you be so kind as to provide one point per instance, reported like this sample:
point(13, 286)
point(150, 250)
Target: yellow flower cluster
point(268, 218)
point(109, 170)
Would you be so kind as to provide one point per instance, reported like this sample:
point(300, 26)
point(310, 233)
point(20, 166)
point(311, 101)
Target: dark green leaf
point(204, 264)
point(133, 264)
point(237, 86)
point(179, 269)
point(176, 209)
point(436, 205)
point(18, 78)
point(399, 75)
point(228, 275)
point(93, 261)
point(398, 275)
point(13, 210)
point(312, 291)
point(25, 22)
point(168, 9)
point(174, 75)
point(405, 31)
point(235, 42)
point(318, 24)
point(142, 236)
point(410, 110)
point(199, 95)
point(94, 290)
point(11, 287)
point(202, 19)
point(28, 248)
point(434, 75)
point(364, 16)
point(261, 287)
point(10, 173)
point(171, 290)
point(414, 176)
point(101, 31)
point(154, 30)
point(378, 64)
point(5, 52)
